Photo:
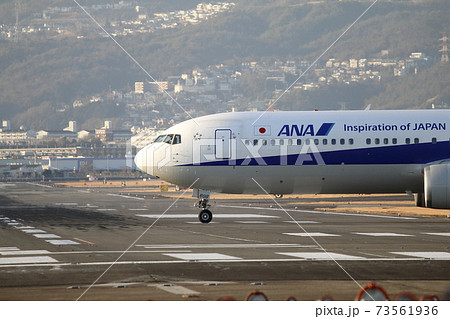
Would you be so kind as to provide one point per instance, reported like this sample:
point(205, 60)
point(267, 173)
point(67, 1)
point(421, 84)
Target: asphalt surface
point(104, 244)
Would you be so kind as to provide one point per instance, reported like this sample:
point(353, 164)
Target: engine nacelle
point(437, 186)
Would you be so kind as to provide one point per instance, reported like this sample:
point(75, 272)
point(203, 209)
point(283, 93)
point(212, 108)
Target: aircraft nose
point(143, 160)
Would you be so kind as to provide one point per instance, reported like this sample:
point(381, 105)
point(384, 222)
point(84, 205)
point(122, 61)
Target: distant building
point(16, 137)
point(44, 135)
point(72, 127)
point(104, 134)
point(6, 126)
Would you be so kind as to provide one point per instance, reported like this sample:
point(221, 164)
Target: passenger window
point(434, 140)
point(289, 142)
point(264, 142)
point(407, 140)
point(281, 142)
point(342, 141)
point(307, 141)
point(272, 142)
point(168, 139)
point(299, 142)
point(416, 141)
point(333, 141)
point(316, 141)
point(368, 141)
point(247, 142)
point(324, 141)
point(386, 141)
point(394, 141)
point(255, 142)
point(177, 139)
point(351, 141)
point(377, 141)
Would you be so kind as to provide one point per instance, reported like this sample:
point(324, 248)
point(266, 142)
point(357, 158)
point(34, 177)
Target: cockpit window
point(160, 138)
point(168, 139)
point(177, 139)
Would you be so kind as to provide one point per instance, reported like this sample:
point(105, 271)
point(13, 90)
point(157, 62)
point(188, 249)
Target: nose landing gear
point(205, 215)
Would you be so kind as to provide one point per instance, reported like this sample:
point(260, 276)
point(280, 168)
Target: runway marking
point(251, 222)
point(85, 241)
point(106, 209)
point(33, 231)
point(125, 196)
point(202, 256)
point(182, 216)
point(26, 260)
point(176, 290)
point(46, 236)
point(441, 255)
point(323, 256)
point(8, 248)
point(301, 222)
point(62, 242)
point(312, 234)
point(384, 234)
point(66, 204)
point(24, 227)
point(215, 246)
point(318, 212)
point(24, 252)
point(437, 234)
point(138, 209)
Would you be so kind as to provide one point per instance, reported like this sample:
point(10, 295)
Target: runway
point(53, 239)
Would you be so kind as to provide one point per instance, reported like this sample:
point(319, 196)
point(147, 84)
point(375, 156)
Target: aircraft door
point(223, 143)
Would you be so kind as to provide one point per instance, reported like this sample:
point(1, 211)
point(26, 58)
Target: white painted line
point(14, 224)
point(49, 236)
point(33, 231)
point(251, 222)
point(8, 248)
point(106, 209)
point(124, 196)
point(62, 242)
point(203, 256)
point(441, 255)
point(215, 246)
point(323, 256)
point(301, 222)
point(317, 212)
point(25, 227)
point(66, 204)
point(26, 260)
point(177, 290)
point(384, 234)
point(138, 209)
point(311, 234)
point(438, 234)
point(24, 252)
point(180, 216)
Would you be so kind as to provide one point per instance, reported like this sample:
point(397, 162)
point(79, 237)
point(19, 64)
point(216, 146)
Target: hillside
point(39, 75)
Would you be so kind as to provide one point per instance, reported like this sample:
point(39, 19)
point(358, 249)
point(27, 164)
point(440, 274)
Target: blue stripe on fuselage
point(394, 154)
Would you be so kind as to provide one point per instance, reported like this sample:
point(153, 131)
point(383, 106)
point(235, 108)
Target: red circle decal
point(262, 130)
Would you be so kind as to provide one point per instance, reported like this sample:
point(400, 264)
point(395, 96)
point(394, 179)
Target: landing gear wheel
point(205, 216)
point(278, 195)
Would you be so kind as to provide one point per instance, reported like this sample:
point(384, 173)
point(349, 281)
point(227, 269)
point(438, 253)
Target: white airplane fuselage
point(302, 152)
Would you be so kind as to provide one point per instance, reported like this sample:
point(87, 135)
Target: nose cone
point(143, 160)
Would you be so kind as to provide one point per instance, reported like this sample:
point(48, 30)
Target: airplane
point(307, 152)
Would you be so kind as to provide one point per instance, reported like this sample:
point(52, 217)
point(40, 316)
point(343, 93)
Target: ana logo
point(305, 130)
